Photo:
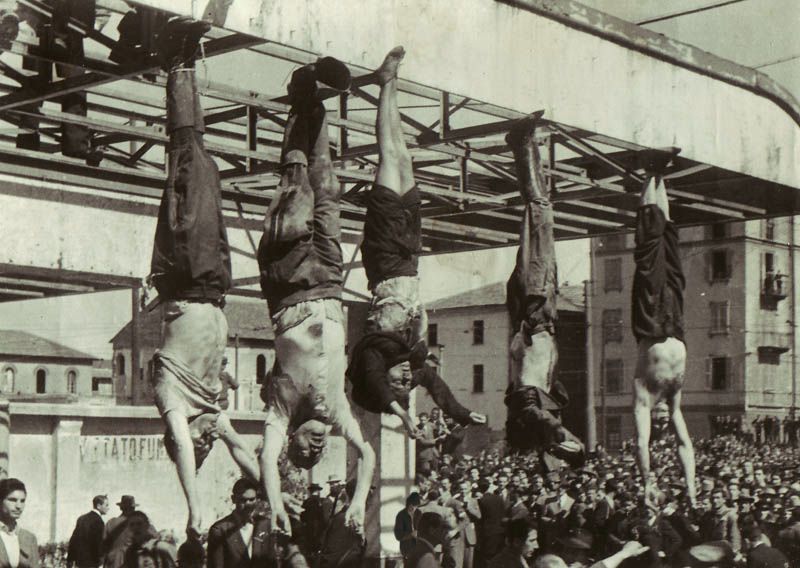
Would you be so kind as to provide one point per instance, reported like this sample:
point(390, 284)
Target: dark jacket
point(422, 555)
point(763, 556)
point(226, 548)
point(404, 526)
point(86, 543)
point(375, 354)
point(491, 535)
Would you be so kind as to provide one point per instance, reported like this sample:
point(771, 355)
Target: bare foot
point(388, 69)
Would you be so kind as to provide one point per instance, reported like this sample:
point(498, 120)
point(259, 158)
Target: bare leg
point(244, 457)
point(685, 448)
point(642, 405)
point(178, 427)
point(394, 166)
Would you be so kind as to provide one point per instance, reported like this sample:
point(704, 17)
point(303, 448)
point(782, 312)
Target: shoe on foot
point(524, 129)
point(179, 42)
point(656, 160)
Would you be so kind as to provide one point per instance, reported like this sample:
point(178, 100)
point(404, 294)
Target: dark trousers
point(300, 254)
point(191, 256)
point(533, 285)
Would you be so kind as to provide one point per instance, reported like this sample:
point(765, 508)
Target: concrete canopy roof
point(609, 89)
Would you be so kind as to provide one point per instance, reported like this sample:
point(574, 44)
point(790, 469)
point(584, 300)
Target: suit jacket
point(422, 556)
point(28, 551)
point(86, 543)
point(403, 527)
point(763, 556)
point(226, 548)
point(506, 559)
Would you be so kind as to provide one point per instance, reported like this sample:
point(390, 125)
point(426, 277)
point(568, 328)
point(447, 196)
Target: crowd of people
point(770, 429)
point(747, 505)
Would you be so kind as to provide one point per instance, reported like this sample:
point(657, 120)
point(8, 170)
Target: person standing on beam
point(390, 359)
point(191, 269)
point(300, 262)
point(657, 319)
point(533, 395)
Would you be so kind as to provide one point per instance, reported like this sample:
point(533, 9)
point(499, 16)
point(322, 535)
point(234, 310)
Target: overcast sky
point(750, 32)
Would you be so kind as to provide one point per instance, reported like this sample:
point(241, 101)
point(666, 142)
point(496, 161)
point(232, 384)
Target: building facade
point(469, 333)
point(740, 313)
point(250, 354)
point(32, 368)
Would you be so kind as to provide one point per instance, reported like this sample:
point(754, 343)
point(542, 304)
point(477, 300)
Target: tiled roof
point(22, 343)
point(570, 298)
point(249, 319)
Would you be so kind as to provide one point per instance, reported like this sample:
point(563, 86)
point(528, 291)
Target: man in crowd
point(145, 549)
point(427, 452)
point(240, 539)
point(191, 269)
point(533, 394)
point(315, 517)
point(117, 536)
point(490, 525)
point(759, 553)
point(433, 531)
point(340, 546)
point(657, 317)
point(405, 523)
point(86, 543)
point(390, 359)
point(521, 543)
point(300, 260)
point(720, 523)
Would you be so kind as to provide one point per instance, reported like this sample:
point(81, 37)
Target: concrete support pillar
point(5, 437)
point(66, 476)
point(393, 481)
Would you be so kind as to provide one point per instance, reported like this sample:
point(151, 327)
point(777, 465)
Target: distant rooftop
point(22, 343)
point(570, 298)
point(249, 319)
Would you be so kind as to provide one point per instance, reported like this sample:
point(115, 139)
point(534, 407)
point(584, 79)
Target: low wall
point(66, 454)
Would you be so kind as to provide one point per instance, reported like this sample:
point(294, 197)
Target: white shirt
point(247, 536)
point(10, 540)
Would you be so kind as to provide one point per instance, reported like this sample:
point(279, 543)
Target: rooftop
point(570, 298)
point(22, 343)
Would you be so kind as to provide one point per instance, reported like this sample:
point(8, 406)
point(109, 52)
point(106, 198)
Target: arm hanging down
point(441, 394)
point(365, 469)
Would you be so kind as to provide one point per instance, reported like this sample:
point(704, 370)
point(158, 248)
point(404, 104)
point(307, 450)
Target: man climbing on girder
point(300, 261)
point(389, 360)
point(657, 318)
point(533, 395)
point(191, 269)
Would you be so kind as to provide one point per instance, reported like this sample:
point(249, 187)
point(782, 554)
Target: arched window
point(261, 368)
point(41, 381)
point(72, 381)
point(7, 384)
point(120, 364)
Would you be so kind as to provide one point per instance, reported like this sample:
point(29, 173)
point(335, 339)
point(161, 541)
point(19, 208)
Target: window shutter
point(708, 373)
point(709, 266)
point(728, 373)
point(726, 310)
point(728, 263)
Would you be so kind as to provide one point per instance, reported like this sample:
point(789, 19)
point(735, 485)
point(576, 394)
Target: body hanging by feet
point(534, 397)
point(657, 319)
point(300, 262)
point(191, 270)
point(390, 359)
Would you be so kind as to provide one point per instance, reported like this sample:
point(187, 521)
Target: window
point(769, 262)
point(72, 382)
point(719, 369)
point(614, 375)
point(614, 432)
point(120, 364)
point(612, 325)
point(41, 381)
point(720, 313)
point(613, 274)
point(9, 374)
point(433, 335)
point(769, 229)
point(150, 371)
point(102, 386)
point(477, 378)
point(720, 265)
point(261, 368)
point(719, 230)
point(477, 332)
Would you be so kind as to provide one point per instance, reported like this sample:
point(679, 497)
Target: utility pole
point(591, 418)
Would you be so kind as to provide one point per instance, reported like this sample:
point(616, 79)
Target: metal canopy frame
point(463, 167)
